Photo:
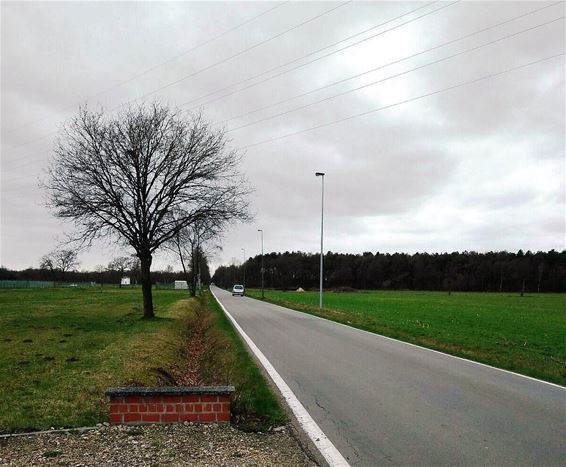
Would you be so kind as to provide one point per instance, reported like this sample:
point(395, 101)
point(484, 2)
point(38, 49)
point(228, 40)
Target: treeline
point(466, 271)
point(104, 277)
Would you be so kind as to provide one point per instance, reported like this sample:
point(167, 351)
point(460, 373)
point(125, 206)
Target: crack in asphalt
point(340, 425)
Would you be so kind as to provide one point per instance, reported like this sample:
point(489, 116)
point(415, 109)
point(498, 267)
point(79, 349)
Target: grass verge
point(522, 334)
point(222, 359)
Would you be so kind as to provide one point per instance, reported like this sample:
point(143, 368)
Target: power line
point(241, 52)
point(444, 44)
point(361, 114)
point(313, 53)
point(209, 66)
point(39, 138)
point(373, 83)
point(165, 62)
point(351, 117)
point(405, 58)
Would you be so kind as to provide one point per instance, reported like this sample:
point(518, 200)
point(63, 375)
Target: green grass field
point(523, 334)
point(61, 348)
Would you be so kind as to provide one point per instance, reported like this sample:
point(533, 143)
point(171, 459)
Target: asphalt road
point(383, 402)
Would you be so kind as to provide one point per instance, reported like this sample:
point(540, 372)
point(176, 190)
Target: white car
point(238, 290)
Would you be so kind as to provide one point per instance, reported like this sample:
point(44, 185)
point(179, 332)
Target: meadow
point(522, 334)
point(60, 348)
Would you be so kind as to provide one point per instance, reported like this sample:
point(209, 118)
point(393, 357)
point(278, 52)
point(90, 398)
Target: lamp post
point(321, 174)
point(262, 292)
point(244, 265)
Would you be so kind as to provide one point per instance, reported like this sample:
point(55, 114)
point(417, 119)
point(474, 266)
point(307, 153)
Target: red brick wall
point(170, 409)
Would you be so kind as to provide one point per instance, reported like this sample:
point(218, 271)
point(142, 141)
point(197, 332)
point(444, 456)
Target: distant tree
point(59, 260)
point(190, 245)
point(143, 176)
point(120, 264)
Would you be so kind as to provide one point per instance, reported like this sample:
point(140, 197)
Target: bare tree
point(120, 264)
point(59, 260)
point(143, 176)
point(190, 245)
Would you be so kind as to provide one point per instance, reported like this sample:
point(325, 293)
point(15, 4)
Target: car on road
point(238, 290)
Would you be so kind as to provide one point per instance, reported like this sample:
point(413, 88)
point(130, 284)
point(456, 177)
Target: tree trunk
point(523, 288)
point(193, 285)
point(145, 263)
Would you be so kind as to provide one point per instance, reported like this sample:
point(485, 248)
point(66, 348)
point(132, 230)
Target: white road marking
point(313, 431)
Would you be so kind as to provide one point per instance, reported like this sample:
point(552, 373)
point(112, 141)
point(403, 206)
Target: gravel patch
point(155, 445)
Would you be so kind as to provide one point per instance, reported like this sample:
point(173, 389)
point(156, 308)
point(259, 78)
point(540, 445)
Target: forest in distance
point(466, 271)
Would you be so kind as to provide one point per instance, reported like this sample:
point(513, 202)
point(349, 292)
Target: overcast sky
point(479, 167)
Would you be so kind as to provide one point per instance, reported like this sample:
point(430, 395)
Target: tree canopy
point(142, 176)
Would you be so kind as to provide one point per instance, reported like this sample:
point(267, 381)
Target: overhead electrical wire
point(165, 62)
point(358, 75)
point(39, 138)
point(406, 101)
point(373, 83)
point(314, 53)
point(241, 52)
point(405, 58)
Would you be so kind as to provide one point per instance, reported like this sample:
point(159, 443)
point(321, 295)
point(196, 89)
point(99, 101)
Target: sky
point(440, 126)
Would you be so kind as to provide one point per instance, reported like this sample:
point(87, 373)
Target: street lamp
point(321, 174)
point(262, 292)
point(244, 265)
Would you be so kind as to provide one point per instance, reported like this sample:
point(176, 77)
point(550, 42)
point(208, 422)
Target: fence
point(26, 284)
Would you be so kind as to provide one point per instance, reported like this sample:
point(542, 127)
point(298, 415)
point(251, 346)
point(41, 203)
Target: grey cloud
point(400, 179)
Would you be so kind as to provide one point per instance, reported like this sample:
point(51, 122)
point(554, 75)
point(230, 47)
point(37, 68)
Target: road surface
point(384, 402)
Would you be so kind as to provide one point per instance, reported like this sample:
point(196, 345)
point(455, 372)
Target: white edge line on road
point(415, 345)
point(317, 436)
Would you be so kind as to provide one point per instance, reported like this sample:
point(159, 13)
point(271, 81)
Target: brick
point(180, 408)
point(116, 400)
point(223, 417)
point(123, 408)
point(150, 417)
point(189, 407)
point(172, 399)
point(169, 408)
point(132, 408)
point(151, 408)
point(207, 408)
point(217, 407)
point(226, 407)
point(190, 398)
point(159, 407)
point(188, 417)
point(114, 408)
point(153, 399)
point(170, 417)
point(197, 407)
point(209, 398)
point(115, 418)
point(142, 408)
point(206, 417)
point(132, 417)
point(132, 399)
point(224, 398)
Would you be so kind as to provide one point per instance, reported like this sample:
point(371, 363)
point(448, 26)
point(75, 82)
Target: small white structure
point(181, 285)
point(125, 281)
point(300, 289)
